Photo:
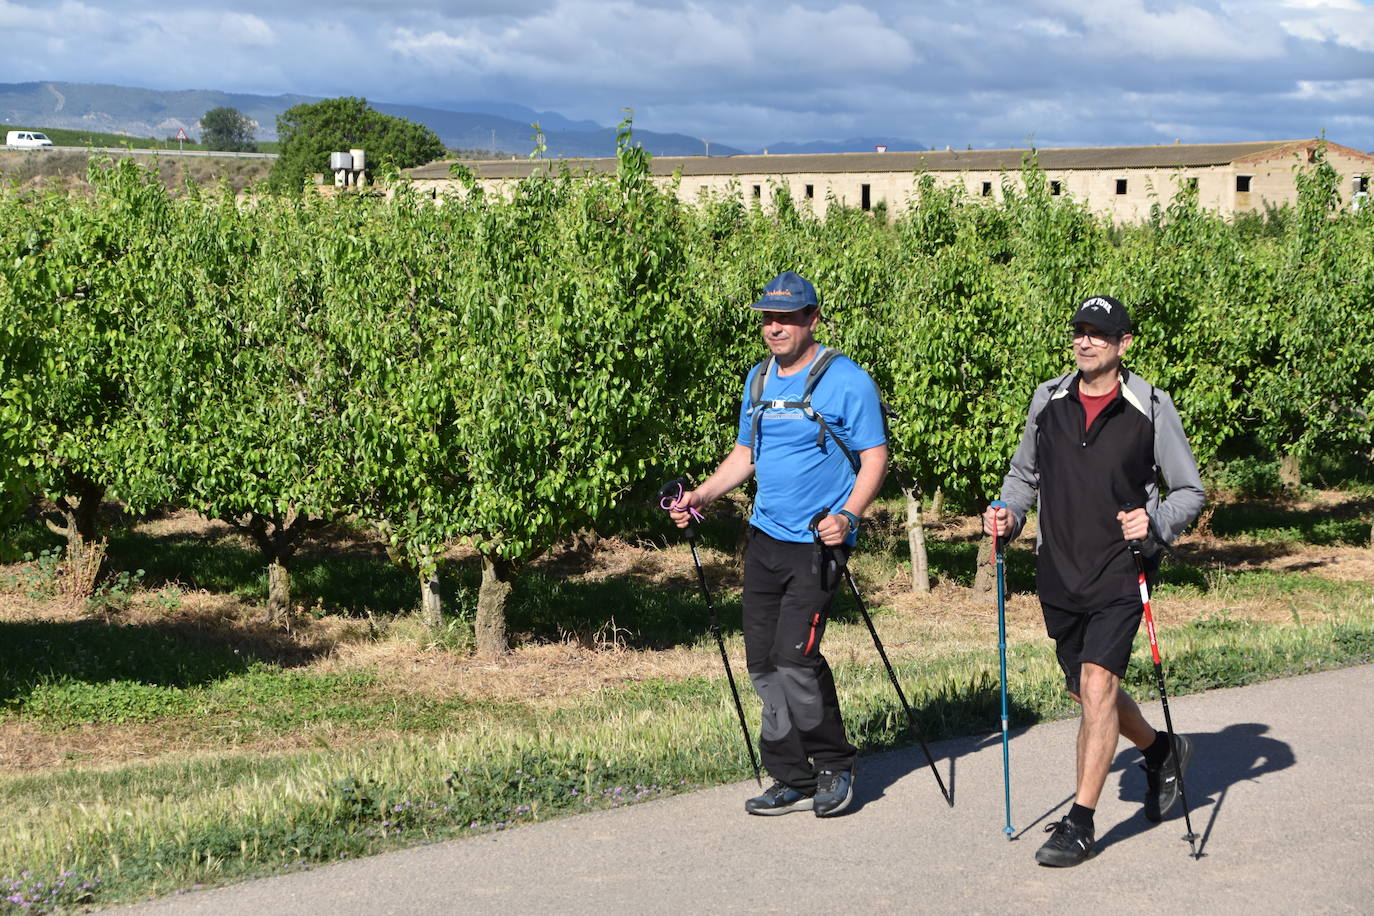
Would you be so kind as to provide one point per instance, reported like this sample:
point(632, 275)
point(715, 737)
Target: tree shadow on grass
point(350, 581)
point(626, 611)
point(174, 654)
point(1344, 523)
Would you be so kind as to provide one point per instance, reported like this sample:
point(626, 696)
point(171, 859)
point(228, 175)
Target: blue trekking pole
point(1002, 652)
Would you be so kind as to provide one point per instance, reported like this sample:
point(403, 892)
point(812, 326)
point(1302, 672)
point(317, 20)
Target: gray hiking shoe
point(779, 798)
point(1163, 792)
point(834, 791)
point(1070, 845)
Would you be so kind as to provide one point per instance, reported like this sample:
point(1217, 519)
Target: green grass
point(1267, 522)
point(467, 767)
point(61, 136)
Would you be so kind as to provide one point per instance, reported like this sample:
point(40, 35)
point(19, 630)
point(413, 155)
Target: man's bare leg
point(1108, 712)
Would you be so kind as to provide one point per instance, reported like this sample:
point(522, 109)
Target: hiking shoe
point(834, 791)
point(1070, 845)
point(1162, 793)
point(779, 798)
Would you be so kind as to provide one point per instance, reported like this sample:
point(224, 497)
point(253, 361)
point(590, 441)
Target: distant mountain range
point(503, 128)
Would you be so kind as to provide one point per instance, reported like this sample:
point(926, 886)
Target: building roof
point(993, 160)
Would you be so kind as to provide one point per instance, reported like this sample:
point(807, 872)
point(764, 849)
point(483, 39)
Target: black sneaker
point(1071, 844)
point(1162, 793)
point(779, 798)
point(834, 791)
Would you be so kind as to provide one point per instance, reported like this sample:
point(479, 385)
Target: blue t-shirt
point(795, 477)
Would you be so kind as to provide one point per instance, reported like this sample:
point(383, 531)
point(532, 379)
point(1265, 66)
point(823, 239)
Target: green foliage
point(506, 370)
point(226, 128)
point(308, 133)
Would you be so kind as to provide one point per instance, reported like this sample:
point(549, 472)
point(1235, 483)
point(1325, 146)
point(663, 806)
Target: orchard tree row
point(505, 371)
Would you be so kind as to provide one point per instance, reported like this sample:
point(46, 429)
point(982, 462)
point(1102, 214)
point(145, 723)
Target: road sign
point(181, 134)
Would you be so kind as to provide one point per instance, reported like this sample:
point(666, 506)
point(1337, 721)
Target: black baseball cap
point(1106, 314)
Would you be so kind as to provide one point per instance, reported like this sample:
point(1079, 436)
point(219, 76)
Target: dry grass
point(407, 666)
point(66, 171)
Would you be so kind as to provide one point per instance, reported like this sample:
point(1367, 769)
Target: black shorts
point(1103, 636)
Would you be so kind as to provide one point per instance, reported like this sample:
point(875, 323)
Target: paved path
point(1281, 786)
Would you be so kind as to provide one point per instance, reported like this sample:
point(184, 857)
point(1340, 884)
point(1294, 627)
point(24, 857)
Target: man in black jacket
point(1096, 444)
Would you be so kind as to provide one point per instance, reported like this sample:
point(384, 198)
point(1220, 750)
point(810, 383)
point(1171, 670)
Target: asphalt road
point(1281, 792)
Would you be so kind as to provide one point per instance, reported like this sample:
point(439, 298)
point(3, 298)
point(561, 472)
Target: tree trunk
point(492, 597)
point(916, 539)
point(431, 605)
point(937, 505)
point(87, 511)
point(1290, 472)
point(278, 590)
point(277, 536)
point(80, 512)
point(985, 578)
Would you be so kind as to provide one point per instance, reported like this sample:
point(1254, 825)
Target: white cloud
point(1129, 29)
point(1335, 21)
point(1345, 92)
point(618, 44)
point(749, 73)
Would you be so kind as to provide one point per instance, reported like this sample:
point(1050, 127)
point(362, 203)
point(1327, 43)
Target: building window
point(1056, 188)
point(1242, 184)
point(866, 196)
point(810, 191)
point(758, 190)
point(1121, 186)
point(987, 189)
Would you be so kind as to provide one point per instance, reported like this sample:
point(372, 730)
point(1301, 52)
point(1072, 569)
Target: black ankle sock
point(1157, 753)
point(1081, 816)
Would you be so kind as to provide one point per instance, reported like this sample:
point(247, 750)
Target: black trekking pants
point(785, 610)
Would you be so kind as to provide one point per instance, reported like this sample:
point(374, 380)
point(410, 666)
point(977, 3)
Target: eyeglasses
point(1095, 339)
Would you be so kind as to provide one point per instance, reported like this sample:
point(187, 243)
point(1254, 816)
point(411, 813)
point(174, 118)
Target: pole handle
point(669, 497)
point(996, 539)
point(1129, 506)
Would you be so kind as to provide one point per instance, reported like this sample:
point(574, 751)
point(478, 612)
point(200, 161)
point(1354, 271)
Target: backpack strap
point(757, 404)
point(760, 379)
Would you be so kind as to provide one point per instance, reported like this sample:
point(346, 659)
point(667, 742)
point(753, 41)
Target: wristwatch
point(853, 519)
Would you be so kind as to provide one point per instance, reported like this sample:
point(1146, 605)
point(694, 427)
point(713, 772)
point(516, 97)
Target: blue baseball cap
point(787, 292)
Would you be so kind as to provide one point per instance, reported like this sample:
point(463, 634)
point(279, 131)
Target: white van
point(26, 139)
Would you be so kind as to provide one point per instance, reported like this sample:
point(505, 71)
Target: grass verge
point(100, 836)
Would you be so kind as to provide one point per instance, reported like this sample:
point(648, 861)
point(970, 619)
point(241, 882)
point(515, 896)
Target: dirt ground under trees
point(408, 664)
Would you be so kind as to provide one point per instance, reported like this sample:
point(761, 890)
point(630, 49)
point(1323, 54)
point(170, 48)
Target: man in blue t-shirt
point(802, 467)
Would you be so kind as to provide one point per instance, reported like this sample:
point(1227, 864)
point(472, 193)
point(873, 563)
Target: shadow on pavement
point(878, 772)
point(1237, 753)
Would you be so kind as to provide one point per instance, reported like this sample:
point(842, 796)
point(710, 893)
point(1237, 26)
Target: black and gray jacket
point(1083, 479)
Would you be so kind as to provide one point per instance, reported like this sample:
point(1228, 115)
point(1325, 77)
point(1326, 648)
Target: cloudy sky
point(747, 73)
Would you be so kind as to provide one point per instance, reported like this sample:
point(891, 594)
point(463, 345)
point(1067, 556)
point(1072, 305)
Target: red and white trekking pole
point(1191, 837)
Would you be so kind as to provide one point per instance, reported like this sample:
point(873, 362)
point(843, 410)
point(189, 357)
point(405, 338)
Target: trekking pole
point(1191, 837)
point(669, 497)
point(1002, 655)
point(878, 643)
